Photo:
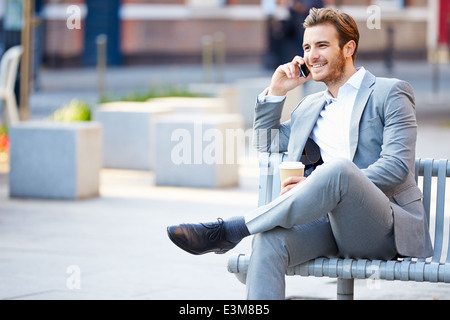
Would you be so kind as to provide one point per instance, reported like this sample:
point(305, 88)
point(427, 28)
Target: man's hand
point(287, 77)
point(291, 183)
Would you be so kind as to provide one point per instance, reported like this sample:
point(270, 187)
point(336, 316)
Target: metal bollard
point(220, 55)
point(389, 54)
point(101, 41)
point(207, 57)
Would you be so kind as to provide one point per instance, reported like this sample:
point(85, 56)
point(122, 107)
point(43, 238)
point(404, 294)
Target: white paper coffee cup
point(291, 169)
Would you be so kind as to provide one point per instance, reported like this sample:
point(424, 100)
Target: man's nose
point(313, 55)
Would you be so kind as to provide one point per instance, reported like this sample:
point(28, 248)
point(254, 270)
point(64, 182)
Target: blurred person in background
point(285, 29)
point(274, 33)
point(293, 30)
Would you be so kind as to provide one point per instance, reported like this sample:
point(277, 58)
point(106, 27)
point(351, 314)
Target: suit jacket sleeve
point(397, 155)
point(269, 134)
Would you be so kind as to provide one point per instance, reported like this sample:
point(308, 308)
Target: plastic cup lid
point(292, 165)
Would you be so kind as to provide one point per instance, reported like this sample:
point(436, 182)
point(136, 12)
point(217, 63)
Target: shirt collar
point(329, 97)
point(355, 81)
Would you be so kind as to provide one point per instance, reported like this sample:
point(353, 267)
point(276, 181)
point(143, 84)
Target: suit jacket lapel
point(361, 100)
point(304, 118)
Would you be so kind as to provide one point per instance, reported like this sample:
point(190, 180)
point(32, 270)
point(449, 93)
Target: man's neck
point(334, 86)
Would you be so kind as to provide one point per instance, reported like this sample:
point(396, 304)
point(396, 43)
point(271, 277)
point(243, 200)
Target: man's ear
point(350, 48)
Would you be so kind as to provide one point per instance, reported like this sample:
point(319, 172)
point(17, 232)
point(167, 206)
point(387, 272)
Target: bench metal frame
point(431, 176)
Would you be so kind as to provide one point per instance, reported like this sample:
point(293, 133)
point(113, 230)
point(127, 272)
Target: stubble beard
point(336, 75)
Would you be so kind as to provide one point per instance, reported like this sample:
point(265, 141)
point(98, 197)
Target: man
point(362, 202)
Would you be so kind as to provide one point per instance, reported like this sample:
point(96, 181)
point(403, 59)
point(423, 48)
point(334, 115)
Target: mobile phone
point(304, 71)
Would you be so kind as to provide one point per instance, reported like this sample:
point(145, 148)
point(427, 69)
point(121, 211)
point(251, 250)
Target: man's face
point(323, 55)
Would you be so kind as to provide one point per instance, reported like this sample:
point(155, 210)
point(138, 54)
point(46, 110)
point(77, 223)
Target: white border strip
point(416, 14)
point(252, 12)
point(234, 12)
point(154, 12)
point(183, 12)
point(59, 11)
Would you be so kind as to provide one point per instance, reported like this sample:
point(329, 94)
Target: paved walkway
point(115, 246)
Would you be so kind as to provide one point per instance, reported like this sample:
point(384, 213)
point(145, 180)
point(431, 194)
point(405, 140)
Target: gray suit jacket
point(383, 134)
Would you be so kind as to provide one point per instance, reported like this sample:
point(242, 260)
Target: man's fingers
point(299, 60)
point(287, 189)
point(292, 181)
point(292, 69)
point(287, 77)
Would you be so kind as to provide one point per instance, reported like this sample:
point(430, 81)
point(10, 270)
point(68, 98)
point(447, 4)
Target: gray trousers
point(336, 212)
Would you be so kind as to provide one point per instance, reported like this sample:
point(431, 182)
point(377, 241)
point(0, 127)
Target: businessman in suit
point(362, 200)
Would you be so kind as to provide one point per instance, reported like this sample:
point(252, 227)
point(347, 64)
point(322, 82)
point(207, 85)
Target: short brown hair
point(344, 23)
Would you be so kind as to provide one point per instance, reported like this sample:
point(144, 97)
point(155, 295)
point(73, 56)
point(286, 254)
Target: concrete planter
point(128, 135)
point(197, 151)
point(54, 160)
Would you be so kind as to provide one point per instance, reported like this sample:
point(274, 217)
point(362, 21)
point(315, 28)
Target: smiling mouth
point(318, 65)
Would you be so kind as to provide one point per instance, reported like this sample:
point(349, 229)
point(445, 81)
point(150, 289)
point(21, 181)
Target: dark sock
point(235, 229)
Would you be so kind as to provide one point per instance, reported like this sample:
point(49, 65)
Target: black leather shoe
point(201, 238)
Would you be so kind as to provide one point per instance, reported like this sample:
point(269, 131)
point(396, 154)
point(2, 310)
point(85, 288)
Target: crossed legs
point(337, 211)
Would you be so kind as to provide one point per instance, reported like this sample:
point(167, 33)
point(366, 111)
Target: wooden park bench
point(431, 174)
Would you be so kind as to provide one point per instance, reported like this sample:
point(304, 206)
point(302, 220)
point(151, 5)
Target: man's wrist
point(266, 97)
point(276, 93)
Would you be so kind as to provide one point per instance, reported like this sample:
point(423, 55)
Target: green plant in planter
point(151, 93)
point(3, 129)
point(74, 111)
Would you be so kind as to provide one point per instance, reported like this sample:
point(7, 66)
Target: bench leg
point(345, 289)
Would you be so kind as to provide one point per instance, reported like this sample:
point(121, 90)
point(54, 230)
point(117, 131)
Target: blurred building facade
point(171, 31)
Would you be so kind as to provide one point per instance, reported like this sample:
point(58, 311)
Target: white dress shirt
point(332, 130)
